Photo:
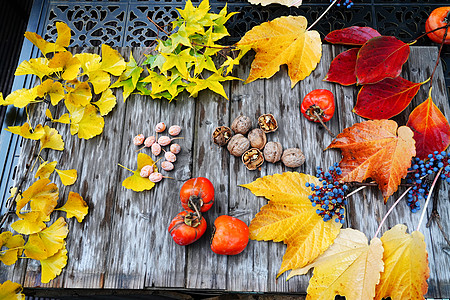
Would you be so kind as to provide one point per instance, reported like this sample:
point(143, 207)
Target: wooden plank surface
point(124, 244)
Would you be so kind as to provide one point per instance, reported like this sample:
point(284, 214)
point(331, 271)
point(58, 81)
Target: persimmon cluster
point(329, 198)
point(418, 176)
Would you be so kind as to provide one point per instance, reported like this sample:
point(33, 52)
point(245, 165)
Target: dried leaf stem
point(321, 16)
point(323, 124)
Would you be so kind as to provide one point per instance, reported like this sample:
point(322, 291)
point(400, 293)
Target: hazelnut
point(293, 158)
point(273, 151)
point(267, 123)
point(222, 135)
point(241, 124)
point(257, 138)
point(252, 158)
point(238, 144)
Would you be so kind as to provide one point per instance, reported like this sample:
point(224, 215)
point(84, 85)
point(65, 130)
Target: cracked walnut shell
point(257, 138)
point(293, 158)
point(238, 144)
point(222, 135)
point(241, 124)
point(273, 152)
point(252, 158)
point(267, 123)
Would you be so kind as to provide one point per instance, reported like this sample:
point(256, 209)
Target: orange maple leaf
point(376, 150)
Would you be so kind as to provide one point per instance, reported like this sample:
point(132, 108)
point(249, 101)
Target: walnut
point(241, 124)
point(222, 135)
point(252, 158)
point(257, 138)
point(293, 158)
point(267, 123)
point(238, 144)
point(273, 151)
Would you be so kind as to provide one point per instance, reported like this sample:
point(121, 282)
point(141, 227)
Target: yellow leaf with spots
point(68, 177)
point(26, 131)
point(137, 183)
point(106, 102)
point(405, 265)
point(70, 65)
point(52, 266)
point(100, 80)
point(52, 88)
point(14, 245)
point(42, 195)
point(11, 291)
point(43, 45)
point(289, 217)
point(90, 62)
point(45, 169)
point(350, 268)
point(283, 41)
point(52, 139)
point(22, 97)
point(34, 66)
point(80, 95)
point(64, 34)
point(75, 207)
point(29, 223)
point(112, 61)
point(90, 125)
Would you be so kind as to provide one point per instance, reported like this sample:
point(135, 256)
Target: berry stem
point(125, 168)
point(389, 211)
point(428, 198)
point(323, 124)
point(321, 16)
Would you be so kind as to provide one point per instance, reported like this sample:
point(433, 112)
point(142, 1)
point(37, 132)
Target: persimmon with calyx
point(187, 227)
point(230, 236)
point(440, 17)
point(318, 106)
point(197, 193)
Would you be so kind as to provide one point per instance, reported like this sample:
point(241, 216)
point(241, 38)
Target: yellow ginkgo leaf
point(47, 242)
point(290, 217)
point(68, 177)
point(76, 112)
point(112, 61)
point(45, 169)
point(136, 182)
point(14, 245)
point(43, 45)
point(22, 97)
point(11, 291)
point(26, 131)
point(90, 62)
point(100, 80)
point(90, 125)
point(34, 66)
point(64, 119)
point(405, 265)
point(42, 195)
point(80, 95)
point(52, 139)
point(106, 102)
point(64, 34)
point(283, 41)
point(52, 266)
point(29, 223)
point(350, 268)
point(75, 207)
point(52, 88)
point(69, 64)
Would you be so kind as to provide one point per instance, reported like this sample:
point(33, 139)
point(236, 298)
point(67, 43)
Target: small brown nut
point(238, 144)
point(293, 158)
point(252, 158)
point(267, 123)
point(241, 124)
point(222, 135)
point(273, 151)
point(257, 138)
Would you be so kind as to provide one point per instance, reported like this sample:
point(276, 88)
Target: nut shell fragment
point(273, 151)
point(253, 158)
point(241, 124)
point(293, 158)
point(238, 144)
point(257, 138)
point(267, 123)
point(222, 135)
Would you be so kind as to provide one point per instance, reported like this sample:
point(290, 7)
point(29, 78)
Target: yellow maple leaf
point(45, 169)
point(52, 266)
point(14, 245)
point(11, 291)
point(42, 195)
point(100, 80)
point(70, 65)
point(405, 265)
point(290, 217)
point(106, 102)
point(350, 268)
point(68, 177)
point(64, 34)
point(52, 139)
point(135, 182)
point(29, 223)
point(283, 41)
point(112, 61)
point(52, 88)
point(22, 97)
point(80, 95)
point(75, 207)
point(26, 131)
point(34, 66)
point(91, 124)
point(90, 62)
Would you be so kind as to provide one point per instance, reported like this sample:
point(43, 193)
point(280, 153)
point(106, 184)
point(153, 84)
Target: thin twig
point(439, 56)
point(428, 199)
point(321, 16)
point(159, 27)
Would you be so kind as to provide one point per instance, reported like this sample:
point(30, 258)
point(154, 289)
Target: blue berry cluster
point(329, 198)
point(346, 3)
point(418, 173)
